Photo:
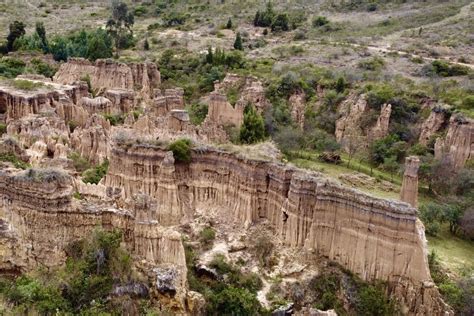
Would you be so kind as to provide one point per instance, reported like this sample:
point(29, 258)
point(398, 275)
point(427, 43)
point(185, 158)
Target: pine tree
point(146, 45)
point(229, 24)
point(238, 42)
point(253, 128)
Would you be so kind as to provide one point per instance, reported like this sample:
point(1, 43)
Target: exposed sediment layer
point(375, 238)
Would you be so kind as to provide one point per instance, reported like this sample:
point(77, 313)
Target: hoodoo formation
point(138, 178)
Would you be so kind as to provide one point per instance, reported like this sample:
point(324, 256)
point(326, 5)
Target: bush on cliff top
point(181, 150)
point(95, 174)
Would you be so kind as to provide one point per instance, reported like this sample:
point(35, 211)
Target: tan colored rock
point(409, 190)
point(18, 103)
point(97, 105)
point(351, 109)
point(375, 238)
point(123, 100)
point(432, 125)
point(297, 104)
point(380, 130)
point(178, 120)
point(109, 74)
point(171, 99)
point(458, 144)
point(92, 140)
point(222, 113)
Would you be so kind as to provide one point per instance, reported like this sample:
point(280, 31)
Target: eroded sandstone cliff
point(377, 239)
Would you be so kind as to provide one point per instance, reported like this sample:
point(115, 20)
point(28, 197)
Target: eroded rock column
point(409, 192)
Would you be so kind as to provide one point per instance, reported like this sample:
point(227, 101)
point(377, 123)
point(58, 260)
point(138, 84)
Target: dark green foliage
point(233, 301)
point(17, 162)
point(119, 26)
point(114, 119)
point(92, 267)
point(80, 163)
point(234, 294)
point(95, 174)
point(207, 236)
point(253, 128)
point(197, 113)
point(372, 64)
point(146, 45)
point(175, 18)
point(41, 32)
point(263, 249)
point(445, 69)
point(238, 42)
point(280, 23)
point(326, 288)
point(433, 215)
point(181, 150)
point(320, 21)
point(17, 30)
point(3, 128)
point(229, 24)
point(372, 301)
point(43, 68)
point(11, 67)
point(379, 94)
point(387, 147)
point(265, 18)
point(88, 44)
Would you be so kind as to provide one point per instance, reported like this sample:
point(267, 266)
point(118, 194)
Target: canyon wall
point(109, 74)
point(458, 144)
point(374, 238)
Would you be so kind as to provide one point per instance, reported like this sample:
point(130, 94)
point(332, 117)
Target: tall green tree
point(120, 24)
point(253, 128)
point(17, 30)
point(238, 42)
point(229, 24)
point(41, 32)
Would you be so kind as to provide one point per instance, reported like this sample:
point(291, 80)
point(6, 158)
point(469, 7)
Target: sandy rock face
point(106, 73)
point(458, 144)
point(92, 140)
point(409, 191)
point(350, 125)
point(297, 102)
point(221, 112)
point(307, 210)
point(432, 125)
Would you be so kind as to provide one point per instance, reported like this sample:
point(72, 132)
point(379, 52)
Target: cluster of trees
point(90, 44)
point(277, 22)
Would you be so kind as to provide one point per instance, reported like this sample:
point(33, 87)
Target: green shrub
point(181, 150)
point(373, 301)
point(207, 235)
point(11, 67)
point(444, 69)
point(253, 128)
point(280, 23)
point(372, 64)
point(17, 162)
point(320, 21)
point(3, 128)
point(43, 68)
point(197, 113)
point(378, 95)
point(95, 174)
point(26, 85)
point(115, 119)
point(233, 301)
point(80, 163)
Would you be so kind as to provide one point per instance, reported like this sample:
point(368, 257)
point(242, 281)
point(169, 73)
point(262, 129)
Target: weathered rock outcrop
point(109, 74)
point(96, 105)
point(92, 140)
point(409, 190)
point(351, 127)
point(17, 103)
point(377, 239)
point(171, 99)
point(458, 143)
point(432, 124)
point(222, 112)
point(297, 102)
